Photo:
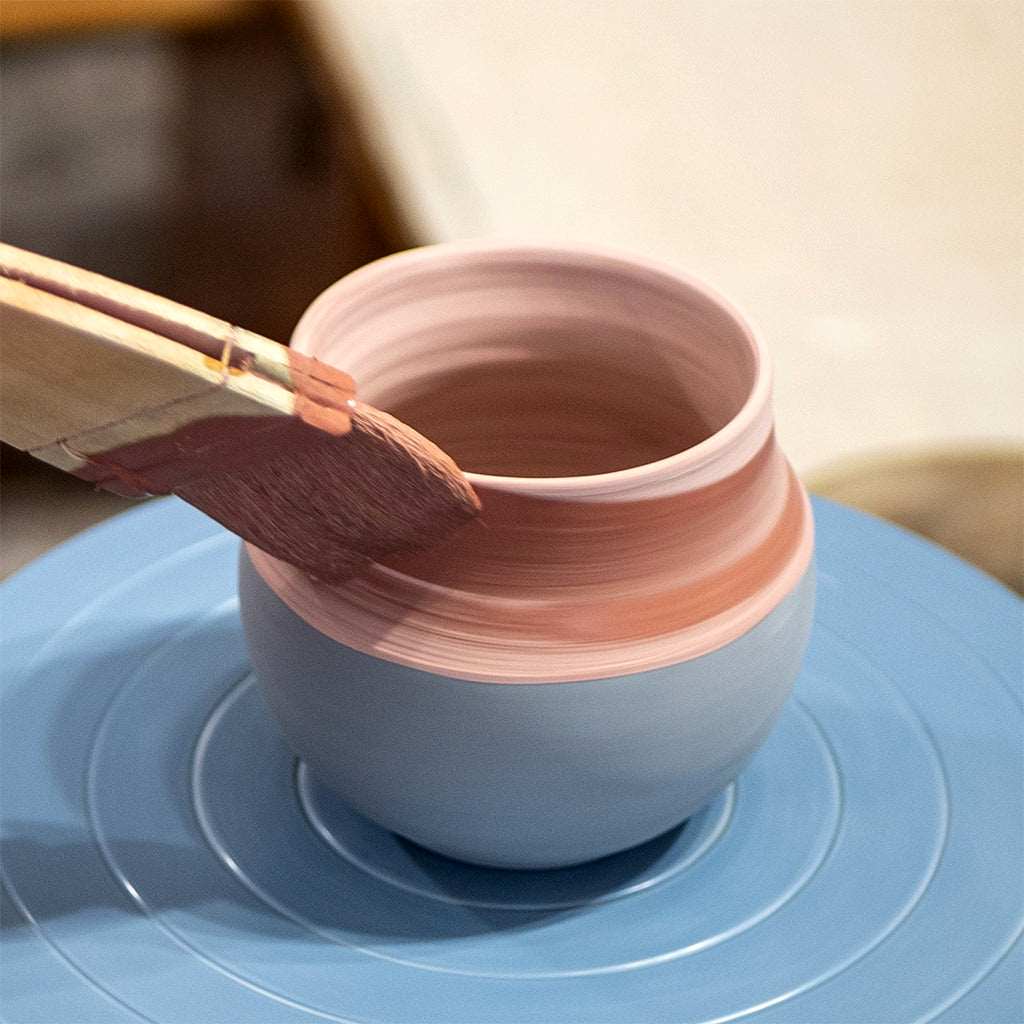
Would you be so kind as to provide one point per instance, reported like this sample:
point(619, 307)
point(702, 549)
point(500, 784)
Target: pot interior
point(538, 366)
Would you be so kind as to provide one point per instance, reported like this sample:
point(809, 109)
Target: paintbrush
point(142, 395)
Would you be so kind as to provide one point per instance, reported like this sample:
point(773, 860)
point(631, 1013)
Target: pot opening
point(535, 363)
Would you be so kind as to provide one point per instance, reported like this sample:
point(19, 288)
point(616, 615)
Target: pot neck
point(546, 591)
point(686, 526)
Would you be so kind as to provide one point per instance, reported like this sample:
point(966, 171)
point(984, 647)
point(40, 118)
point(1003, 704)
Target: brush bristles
point(327, 504)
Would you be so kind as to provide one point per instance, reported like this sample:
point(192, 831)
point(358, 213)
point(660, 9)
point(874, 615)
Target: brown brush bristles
point(326, 504)
point(323, 502)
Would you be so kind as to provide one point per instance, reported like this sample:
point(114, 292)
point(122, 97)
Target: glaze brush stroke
point(564, 577)
point(538, 590)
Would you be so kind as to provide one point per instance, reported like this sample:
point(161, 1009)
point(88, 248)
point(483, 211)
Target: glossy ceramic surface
point(166, 860)
point(522, 775)
point(680, 524)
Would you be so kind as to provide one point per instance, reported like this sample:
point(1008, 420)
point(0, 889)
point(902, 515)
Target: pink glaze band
point(565, 578)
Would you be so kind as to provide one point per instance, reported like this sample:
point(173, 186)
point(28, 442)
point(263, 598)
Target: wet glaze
point(534, 361)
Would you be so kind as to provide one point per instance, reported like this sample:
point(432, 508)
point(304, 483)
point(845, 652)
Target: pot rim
point(717, 456)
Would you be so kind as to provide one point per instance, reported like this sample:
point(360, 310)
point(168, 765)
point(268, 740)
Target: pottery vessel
point(600, 653)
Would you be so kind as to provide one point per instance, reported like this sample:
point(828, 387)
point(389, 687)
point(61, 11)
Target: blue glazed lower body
point(522, 775)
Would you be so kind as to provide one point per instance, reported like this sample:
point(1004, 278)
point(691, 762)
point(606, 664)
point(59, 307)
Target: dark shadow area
point(578, 884)
point(158, 156)
point(200, 159)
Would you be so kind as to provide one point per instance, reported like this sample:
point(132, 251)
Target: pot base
point(817, 903)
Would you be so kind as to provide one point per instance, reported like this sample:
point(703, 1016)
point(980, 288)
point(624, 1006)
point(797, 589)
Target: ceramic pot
point(599, 654)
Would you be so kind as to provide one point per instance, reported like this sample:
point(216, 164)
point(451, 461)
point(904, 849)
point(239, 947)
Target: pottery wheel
point(166, 859)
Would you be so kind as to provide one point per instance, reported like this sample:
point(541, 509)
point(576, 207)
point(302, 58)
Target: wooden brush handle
point(141, 395)
point(88, 364)
point(190, 327)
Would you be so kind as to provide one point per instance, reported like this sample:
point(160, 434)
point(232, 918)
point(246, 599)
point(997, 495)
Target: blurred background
point(849, 173)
